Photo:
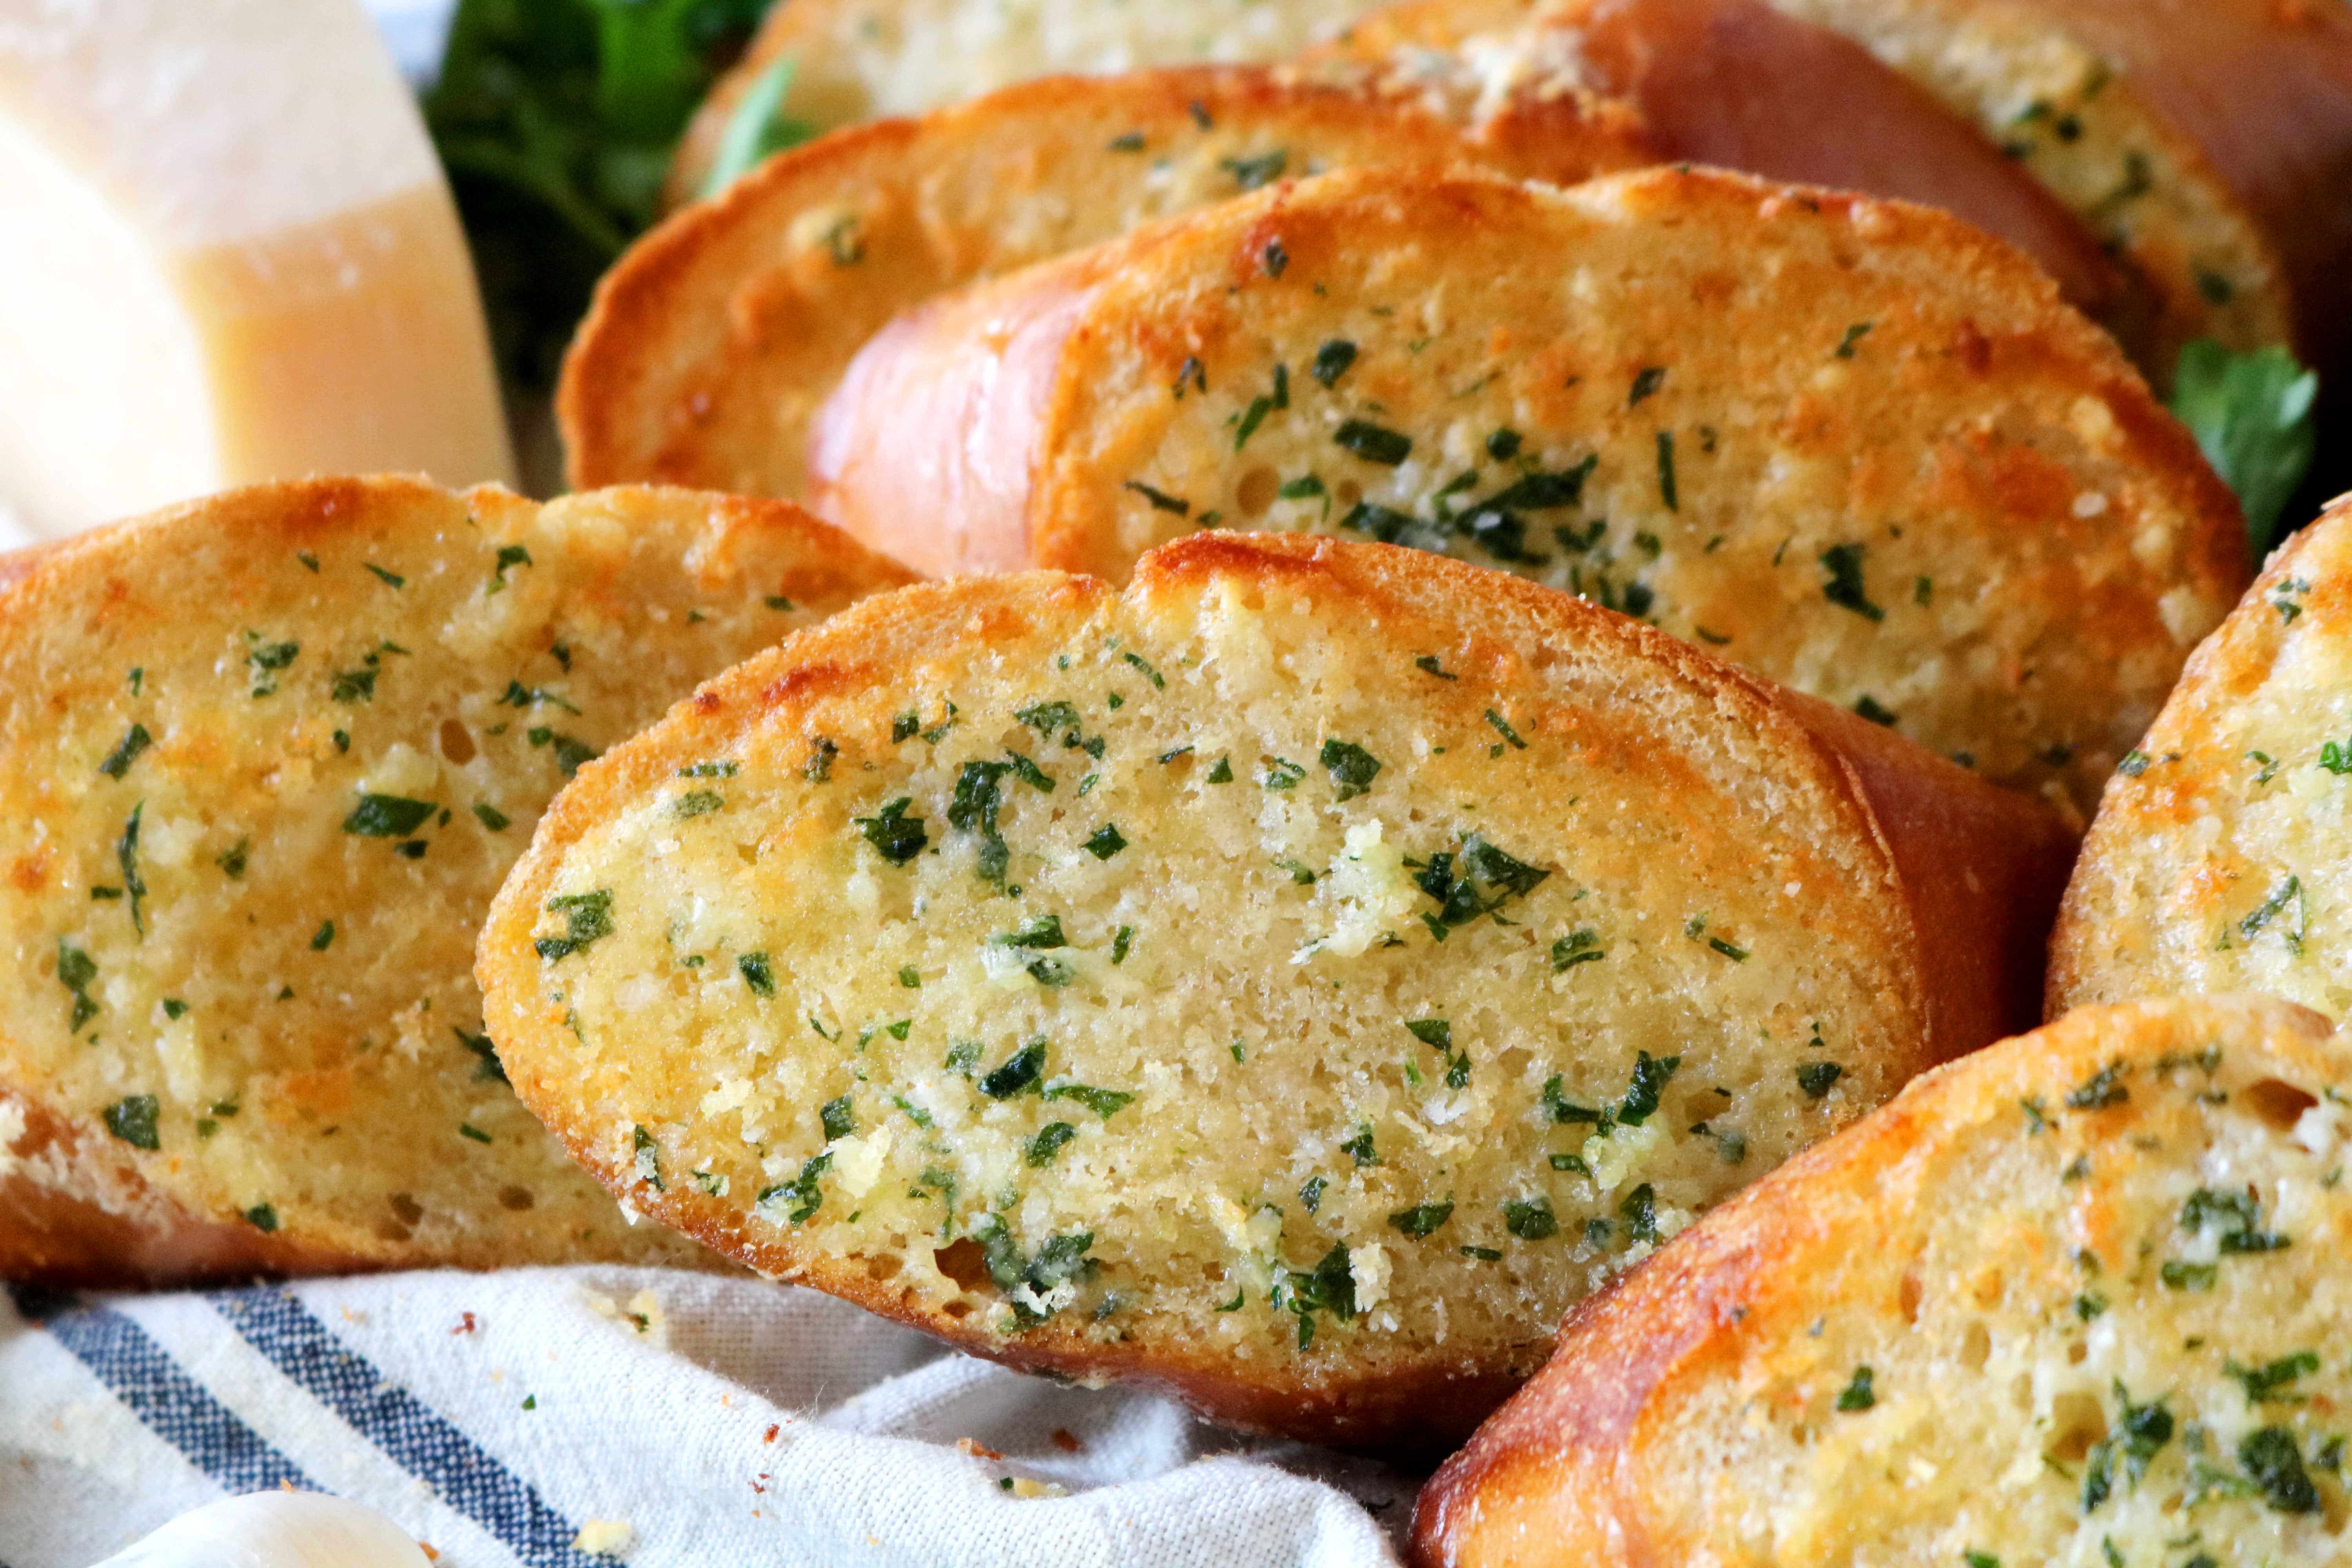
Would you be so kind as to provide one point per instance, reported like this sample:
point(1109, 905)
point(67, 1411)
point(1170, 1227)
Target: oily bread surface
point(865, 59)
point(1320, 1167)
point(2217, 860)
point(714, 341)
point(1852, 444)
point(238, 1030)
point(2005, 1290)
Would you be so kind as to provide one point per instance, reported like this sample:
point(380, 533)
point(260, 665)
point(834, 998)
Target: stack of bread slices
point(1425, 729)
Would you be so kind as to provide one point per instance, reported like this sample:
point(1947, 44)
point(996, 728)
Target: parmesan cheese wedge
point(226, 255)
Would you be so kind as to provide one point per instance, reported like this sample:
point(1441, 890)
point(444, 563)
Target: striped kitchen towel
point(571, 1417)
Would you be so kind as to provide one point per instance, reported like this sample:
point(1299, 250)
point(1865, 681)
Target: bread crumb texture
point(1281, 976)
point(265, 758)
point(1851, 444)
point(2222, 855)
point(2076, 1299)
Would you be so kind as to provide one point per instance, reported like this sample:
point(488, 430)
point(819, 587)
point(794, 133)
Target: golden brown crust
point(89, 1221)
point(81, 1203)
point(1941, 828)
point(1568, 1472)
point(712, 341)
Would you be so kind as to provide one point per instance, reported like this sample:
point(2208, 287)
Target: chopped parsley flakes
point(588, 918)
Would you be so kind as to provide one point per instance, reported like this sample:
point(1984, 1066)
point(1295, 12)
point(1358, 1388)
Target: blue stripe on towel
point(464, 1475)
point(170, 1403)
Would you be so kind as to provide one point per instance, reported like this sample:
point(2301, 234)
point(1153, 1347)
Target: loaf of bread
point(1855, 446)
point(2222, 855)
point(712, 343)
point(2206, 146)
point(263, 758)
point(2078, 1299)
point(863, 60)
point(1292, 982)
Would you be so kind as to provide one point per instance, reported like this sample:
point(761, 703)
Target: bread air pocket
point(2072, 1299)
point(266, 756)
point(1854, 445)
point(1292, 982)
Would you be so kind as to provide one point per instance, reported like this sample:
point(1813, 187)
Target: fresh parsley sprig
point(2251, 414)
point(556, 119)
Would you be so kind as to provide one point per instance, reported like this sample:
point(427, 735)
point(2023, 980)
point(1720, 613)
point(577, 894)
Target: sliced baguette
point(2078, 1299)
point(1855, 445)
point(716, 339)
point(1105, 983)
point(865, 59)
point(2222, 855)
point(264, 759)
point(2206, 146)
point(1739, 85)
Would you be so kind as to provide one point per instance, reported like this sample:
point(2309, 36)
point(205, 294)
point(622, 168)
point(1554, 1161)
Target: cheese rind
point(228, 254)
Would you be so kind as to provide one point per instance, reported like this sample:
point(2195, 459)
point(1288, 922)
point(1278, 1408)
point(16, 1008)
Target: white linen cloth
point(685, 1419)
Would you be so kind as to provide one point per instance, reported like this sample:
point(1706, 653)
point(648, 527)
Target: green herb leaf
point(756, 129)
point(1331, 362)
point(132, 1120)
point(1373, 443)
point(1845, 588)
point(2251, 415)
point(896, 836)
point(588, 918)
point(1857, 1395)
point(1530, 1219)
point(757, 973)
point(555, 121)
point(1021, 1071)
point(388, 816)
point(1420, 1220)
point(1250, 174)
point(118, 761)
point(1041, 1148)
point(1352, 768)
point(1103, 1103)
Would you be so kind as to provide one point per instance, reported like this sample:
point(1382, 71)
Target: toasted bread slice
point(264, 759)
point(1857, 446)
point(718, 337)
point(1291, 981)
point(2076, 1299)
point(1739, 85)
point(2206, 146)
point(867, 59)
point(2222, 855)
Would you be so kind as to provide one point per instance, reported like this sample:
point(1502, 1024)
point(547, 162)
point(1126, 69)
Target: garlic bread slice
point(842, 62)
point(2222, 855)
point(2078, 1298)
point(1291, 981)
point(715, 339)
point(2201, 146)
point(1855, 446)
point(266, 757)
